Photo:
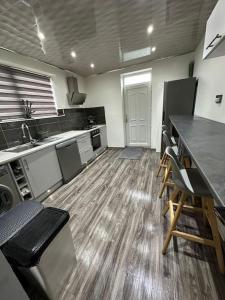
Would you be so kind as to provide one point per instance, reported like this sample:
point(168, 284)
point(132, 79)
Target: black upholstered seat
point(188, 180)
point(198, 184)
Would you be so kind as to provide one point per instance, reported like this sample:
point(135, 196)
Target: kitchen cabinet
point(86, 155)
point(214, 45)
point(42, 170)
point(103, 135)
point(85, 148)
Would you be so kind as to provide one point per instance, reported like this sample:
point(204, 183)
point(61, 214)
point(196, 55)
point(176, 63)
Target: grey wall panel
point(178, 99)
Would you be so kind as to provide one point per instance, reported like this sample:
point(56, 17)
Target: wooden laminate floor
point(118, 234)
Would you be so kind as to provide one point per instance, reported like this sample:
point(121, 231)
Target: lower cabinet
point(103, 135)
point(42, 167)
point(42, 170)
point(85, 148)
point(86, 155)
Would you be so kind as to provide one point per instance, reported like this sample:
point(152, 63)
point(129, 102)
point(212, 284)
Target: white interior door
point(137, 110)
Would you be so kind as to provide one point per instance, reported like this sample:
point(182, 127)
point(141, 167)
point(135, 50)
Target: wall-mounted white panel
point(211, 82)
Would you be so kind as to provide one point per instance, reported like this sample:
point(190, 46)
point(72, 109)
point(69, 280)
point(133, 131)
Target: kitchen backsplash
point(98, 113)
point(74, 119)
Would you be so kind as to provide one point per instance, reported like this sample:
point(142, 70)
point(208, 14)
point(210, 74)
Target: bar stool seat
point(175, 149)
point(169, 141)
point(194, 181)
point(173, 140)
point(167, 166)
point(188, 182)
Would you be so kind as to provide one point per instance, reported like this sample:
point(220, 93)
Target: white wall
point(58, 75)
point(211, 75)
point(105, 90)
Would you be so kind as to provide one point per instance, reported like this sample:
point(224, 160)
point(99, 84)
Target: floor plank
point(118, 234)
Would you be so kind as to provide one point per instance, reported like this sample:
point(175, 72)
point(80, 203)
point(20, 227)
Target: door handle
point(98, 134)
point(218, 36)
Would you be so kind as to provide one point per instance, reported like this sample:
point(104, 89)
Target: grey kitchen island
point(205, 141)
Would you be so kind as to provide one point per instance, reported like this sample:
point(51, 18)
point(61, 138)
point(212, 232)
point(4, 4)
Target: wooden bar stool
point(188, 182)
point(165, 127)
point(166, 182)
point(164, 160)
point(184, 158)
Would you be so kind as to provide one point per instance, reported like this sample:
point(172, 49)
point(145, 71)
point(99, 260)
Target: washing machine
point(9, 194)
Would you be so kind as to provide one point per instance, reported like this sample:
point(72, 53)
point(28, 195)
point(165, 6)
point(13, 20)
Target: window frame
point(31, 86)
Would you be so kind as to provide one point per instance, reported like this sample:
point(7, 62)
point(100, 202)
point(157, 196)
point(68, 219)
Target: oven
point(95, 139)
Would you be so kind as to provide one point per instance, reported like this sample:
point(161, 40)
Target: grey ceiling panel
point(101, 31)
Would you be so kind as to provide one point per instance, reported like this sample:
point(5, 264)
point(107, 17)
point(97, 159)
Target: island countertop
point(204, 139)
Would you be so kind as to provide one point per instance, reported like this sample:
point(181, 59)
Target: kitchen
point(89, 200)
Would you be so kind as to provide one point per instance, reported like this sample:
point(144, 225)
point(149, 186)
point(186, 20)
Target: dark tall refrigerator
point(178, 99)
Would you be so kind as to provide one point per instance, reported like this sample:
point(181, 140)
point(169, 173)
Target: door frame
point(149, 110)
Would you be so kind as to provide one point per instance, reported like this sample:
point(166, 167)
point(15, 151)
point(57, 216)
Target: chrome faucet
point(23, 127)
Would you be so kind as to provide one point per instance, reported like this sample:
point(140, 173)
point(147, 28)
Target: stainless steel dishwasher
point(69, 159)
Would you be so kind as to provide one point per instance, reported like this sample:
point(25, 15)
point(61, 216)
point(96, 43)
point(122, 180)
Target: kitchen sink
point(28, 146)
point(50, 139)
point(22, 148)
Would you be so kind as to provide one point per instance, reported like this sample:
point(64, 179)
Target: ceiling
point(101, 31)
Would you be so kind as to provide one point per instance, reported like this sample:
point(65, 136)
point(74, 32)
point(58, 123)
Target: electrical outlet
point(219, 98)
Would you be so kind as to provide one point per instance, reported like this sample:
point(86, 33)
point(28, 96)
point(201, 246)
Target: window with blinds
point(17, 85)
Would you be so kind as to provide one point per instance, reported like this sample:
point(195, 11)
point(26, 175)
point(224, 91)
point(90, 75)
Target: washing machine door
point(6, 198)
point(9, 194)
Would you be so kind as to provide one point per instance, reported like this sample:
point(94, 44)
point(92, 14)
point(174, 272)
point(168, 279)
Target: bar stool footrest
point(193, 238)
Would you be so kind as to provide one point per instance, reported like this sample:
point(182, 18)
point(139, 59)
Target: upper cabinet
point(214, 45)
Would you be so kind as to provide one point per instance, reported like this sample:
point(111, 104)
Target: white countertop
point(6, 157)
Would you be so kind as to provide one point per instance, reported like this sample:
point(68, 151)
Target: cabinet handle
point(27, 167)
point(218, 36)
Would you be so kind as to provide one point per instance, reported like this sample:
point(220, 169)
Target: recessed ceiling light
point(73, 54)
point(150, 29)
point(92, 65)
point(153, 49)
point(41, 35)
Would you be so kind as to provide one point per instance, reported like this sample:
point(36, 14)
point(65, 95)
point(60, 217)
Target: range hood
point(73, 96)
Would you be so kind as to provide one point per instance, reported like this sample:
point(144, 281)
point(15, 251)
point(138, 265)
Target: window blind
point(16, 85)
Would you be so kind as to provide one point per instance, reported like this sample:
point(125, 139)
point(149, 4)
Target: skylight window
point(136, 54)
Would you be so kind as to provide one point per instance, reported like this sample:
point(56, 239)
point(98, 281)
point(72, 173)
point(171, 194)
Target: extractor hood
point(74, 97)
